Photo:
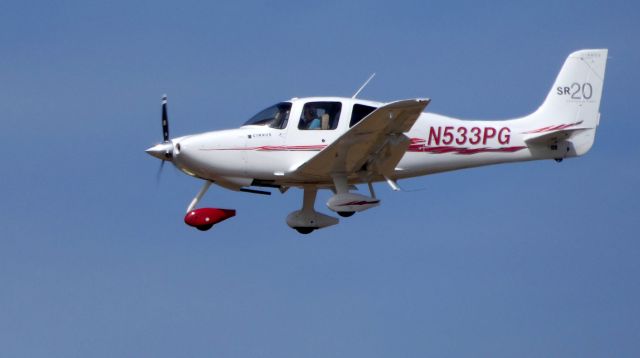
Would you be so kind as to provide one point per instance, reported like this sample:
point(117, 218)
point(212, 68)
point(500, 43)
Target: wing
point(374, 146)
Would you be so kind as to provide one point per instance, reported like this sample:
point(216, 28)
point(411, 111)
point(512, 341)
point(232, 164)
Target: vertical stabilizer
point(575, 95)
point(573, 103)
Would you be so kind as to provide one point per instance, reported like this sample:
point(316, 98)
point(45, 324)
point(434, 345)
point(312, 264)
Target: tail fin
point(573, 104)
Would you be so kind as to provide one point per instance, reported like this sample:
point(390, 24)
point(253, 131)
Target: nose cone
point(163, 151)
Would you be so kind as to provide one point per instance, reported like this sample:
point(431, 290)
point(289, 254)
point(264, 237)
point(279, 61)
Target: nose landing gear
point(203, 219)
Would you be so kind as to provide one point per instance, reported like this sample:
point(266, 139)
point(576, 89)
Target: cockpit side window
point(275, 116)
point(359, 111)
point(320, 115)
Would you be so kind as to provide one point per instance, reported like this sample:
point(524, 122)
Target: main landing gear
point(304, 230)
point(344, 203)
point(307, 219)
point(346, 214)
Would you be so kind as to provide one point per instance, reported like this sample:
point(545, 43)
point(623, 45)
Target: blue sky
point(534, 259)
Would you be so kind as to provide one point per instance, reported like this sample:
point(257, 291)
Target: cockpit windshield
point(274, 116)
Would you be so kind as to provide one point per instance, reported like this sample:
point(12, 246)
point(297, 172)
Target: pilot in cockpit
point(309, 119)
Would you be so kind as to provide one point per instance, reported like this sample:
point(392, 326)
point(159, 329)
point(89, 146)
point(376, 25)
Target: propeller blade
point(165, 120)
point(159, 173)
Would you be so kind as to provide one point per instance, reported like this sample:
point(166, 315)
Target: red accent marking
point(207, 216)
point(553, 128)
point(360, 203)
point(277, 148)
point(461, 150)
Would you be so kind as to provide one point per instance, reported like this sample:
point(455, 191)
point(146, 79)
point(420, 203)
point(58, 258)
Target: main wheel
point(346, 214)
point(304, 230)
point(204, 227)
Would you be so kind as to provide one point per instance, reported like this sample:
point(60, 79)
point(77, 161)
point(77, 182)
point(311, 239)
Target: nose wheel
point(204, 227)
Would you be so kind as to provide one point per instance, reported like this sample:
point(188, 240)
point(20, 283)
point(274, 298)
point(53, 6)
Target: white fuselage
point(332, 142)
point(237, 157)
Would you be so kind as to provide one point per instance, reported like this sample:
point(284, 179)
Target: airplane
point(336, 143)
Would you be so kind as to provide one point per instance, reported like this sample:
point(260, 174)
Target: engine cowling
point(205, 218)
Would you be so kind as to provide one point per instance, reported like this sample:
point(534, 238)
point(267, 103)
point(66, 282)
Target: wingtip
point(423, 101)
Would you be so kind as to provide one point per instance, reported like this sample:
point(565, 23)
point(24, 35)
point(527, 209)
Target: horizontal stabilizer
point(553, 137)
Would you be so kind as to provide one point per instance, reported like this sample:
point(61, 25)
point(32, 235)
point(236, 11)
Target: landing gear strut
point(307, 219)
point(199, 196)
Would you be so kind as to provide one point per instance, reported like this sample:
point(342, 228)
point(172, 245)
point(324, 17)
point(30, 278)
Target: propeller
point(159, 173)
point(165, 120)
point(164, 150)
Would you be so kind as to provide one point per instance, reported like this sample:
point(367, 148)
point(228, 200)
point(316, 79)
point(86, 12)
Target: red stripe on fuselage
point(276, 148)
point(552, 128)
point(421, 148)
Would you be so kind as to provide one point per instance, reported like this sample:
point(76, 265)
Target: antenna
point(364, 85)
